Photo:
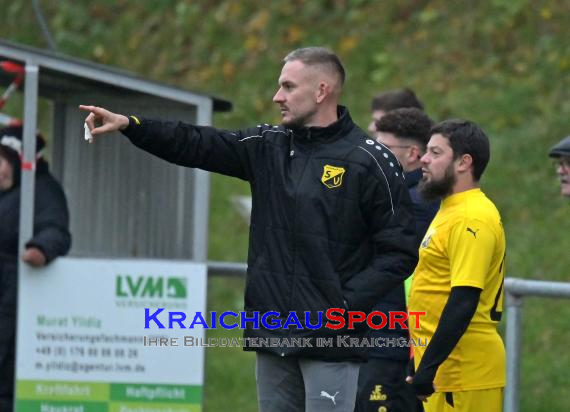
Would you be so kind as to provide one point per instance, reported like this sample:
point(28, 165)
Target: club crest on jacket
point(332, 176)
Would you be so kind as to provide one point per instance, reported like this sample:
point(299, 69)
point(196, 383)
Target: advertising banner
point(82, 345)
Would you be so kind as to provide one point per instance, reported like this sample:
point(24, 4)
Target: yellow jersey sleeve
point(471, 248)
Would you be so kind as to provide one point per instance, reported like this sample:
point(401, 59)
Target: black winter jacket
point(424, 213)
point(50, 235)
point(331, 221)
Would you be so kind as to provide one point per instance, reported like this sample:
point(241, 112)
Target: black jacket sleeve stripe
point(383, 174)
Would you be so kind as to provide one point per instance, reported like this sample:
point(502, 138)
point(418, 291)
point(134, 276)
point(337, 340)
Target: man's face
point(297, 94)
point(563, 171)
point(376, 115)
point(438, 169)
point(400, 147)
point(6, 174)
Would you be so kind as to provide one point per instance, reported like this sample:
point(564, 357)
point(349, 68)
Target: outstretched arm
point(184, 144)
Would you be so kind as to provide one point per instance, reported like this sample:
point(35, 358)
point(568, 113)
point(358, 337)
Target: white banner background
point(88, 288)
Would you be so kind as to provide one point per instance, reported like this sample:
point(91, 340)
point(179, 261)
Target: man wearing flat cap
point(561, 152)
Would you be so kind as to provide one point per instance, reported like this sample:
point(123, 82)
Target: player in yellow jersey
point(459, 278)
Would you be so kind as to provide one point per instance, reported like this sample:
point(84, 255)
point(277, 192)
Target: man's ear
point(323, 91)
point(465, 163)
point(415, 153)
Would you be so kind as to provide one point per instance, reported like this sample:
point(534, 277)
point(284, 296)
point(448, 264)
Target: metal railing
point(515, 291)
point(226, 268)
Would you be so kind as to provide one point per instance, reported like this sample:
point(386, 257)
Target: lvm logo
point(133, 286)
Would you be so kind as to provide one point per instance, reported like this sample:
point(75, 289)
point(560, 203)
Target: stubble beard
point(299, 121)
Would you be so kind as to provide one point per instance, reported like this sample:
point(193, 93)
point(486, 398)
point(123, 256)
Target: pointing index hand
point(107, 120)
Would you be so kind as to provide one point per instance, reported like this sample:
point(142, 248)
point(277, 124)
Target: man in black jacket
point(331, 226)
point(50, 239)
point(405, 132)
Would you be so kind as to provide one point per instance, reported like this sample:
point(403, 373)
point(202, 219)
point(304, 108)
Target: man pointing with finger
point(331, 223)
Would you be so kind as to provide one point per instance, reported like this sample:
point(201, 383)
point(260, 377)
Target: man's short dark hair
point(396, 99)
point(318, 56)
point(466, 137)
point(409, 123)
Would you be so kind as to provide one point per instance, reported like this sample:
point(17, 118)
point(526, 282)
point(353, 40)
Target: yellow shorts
point(488, 400)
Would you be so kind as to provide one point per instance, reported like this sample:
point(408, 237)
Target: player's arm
point(455, 319)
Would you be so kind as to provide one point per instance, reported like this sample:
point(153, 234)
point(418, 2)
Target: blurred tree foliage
point(502, 63)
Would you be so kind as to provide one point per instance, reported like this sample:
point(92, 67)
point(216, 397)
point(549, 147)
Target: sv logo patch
point(427, 238)
point(332, 176)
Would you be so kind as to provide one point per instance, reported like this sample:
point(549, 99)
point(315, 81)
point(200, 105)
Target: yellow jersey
point(464, 246)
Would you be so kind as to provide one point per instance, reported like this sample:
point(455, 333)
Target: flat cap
point(562, 148)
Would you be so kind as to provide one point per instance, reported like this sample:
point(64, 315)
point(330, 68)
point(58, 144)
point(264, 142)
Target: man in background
point(50, 239)
point(381, 383)
point(561, 153)
point(391, 100)
point(406, 133)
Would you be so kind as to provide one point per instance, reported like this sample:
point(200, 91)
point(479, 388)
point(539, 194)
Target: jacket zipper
point(293, 248)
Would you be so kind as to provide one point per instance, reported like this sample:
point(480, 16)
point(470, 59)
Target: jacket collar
point(413, 177)
point(328, 133)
